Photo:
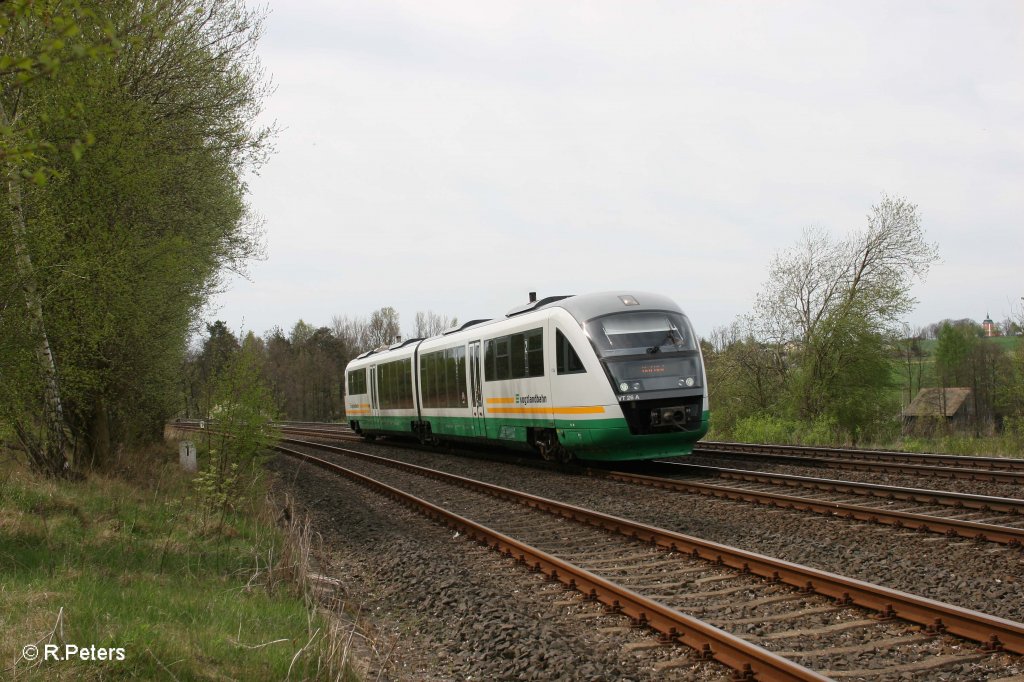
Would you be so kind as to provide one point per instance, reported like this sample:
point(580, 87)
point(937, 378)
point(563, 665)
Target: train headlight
point(689, 381)
point(623, 387)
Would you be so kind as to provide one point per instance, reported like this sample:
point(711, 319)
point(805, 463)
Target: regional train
point(601, 376)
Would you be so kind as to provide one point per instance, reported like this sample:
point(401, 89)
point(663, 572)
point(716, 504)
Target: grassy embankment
point(133, 562)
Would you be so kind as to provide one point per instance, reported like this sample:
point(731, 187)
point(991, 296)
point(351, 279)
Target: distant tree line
point(1007, 327)
point(126, 127)
point(824, 356)
point(303, 368)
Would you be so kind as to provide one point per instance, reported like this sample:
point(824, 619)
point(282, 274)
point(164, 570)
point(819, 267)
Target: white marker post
point(187, 456)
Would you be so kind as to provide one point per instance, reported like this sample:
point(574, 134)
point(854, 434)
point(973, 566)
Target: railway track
point(775, 605)
point(891, 456)
point(976, 517)
point(987, 469)
point(1000, 469)
point(957, 515)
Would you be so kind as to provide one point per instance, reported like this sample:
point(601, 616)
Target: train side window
point(429, 379)
point(395, 384)
point(357, 381)
point(496, 359)
point(436, 380)
point(534, 352)
point(501, 358)
point(451, 379)
point(405, 384)
point(489, 371)
point(568, 362)
point(515, 356)
point(459, 387)
point(518, 356)
point(384, 385)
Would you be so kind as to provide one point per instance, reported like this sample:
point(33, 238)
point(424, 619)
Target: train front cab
point(648, 365)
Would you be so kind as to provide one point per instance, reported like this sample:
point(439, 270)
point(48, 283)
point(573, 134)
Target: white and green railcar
point(604, 376)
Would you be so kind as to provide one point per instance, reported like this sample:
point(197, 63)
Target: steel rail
point(989, 475)
point(983, 503)
point(965, 461)
point(750, 660)
point(326, 428)
point(1013, 472)
point(329, 434)
point(992, 632)
point(1010, 505)
point(973, 530)
point(325, 425)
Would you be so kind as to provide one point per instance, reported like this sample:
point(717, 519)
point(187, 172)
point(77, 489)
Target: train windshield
point(640, 333)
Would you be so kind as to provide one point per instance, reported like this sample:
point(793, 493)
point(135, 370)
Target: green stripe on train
point(598, 439)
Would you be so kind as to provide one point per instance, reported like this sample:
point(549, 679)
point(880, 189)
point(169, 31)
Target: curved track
point(724, 598)
point(843, 592)
point(957, 515)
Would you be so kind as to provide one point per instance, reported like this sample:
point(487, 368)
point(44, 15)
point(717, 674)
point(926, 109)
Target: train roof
point(464, 325)
point(588, 306)
point(399, 344)
point(582, 307)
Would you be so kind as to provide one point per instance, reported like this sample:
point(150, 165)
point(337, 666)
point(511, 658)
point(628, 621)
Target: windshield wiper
point(670, 337)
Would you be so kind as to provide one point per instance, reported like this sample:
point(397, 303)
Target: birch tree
point(136, 224)
point(835, 304)
point(36, 40)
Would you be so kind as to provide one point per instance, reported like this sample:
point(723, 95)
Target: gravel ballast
point(972, 575)
point(437, 607)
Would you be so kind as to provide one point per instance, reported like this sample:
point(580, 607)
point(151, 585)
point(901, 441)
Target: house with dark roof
point(950, 407)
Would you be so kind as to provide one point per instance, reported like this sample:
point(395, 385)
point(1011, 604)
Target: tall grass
point(132, 561)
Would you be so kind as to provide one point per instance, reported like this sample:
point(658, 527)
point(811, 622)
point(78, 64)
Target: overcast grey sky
point(453, 156)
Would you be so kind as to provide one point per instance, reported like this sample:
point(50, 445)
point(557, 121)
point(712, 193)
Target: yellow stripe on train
point(589, 409)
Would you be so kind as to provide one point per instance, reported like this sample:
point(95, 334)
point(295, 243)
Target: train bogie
point(602, 376)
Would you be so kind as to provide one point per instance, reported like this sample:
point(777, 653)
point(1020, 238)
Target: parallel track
point(951, 467)
point(749, 660)
point(1010, 509)
point(1008, 505)
point(891, 456)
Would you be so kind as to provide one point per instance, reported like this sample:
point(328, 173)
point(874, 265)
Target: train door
point(374, 407)
point(476, 397)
